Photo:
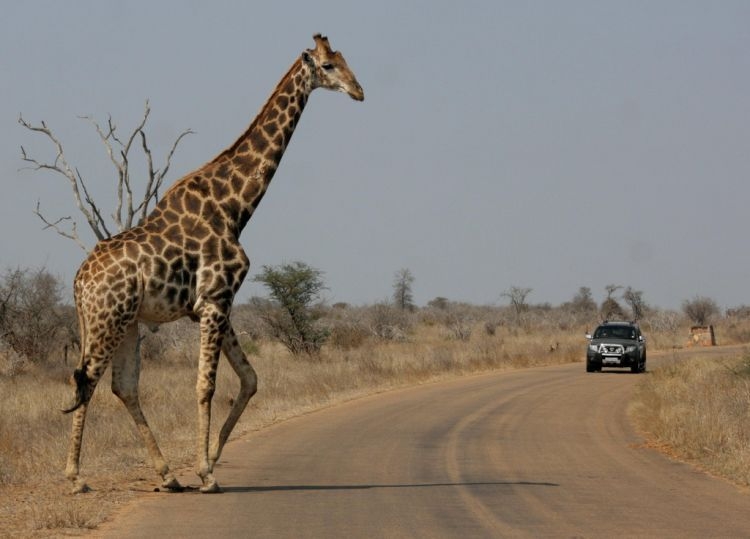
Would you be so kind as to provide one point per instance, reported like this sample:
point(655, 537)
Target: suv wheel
point(592, 367)
point(639, 366)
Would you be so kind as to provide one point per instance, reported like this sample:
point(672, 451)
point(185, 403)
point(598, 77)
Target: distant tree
point(583, 302)
point(402, 289)
point(32, 314)
point(634, 298)
point(610, 308)
point(130, 208)
point(610, 289)
point(438, 302)
point(292, 317)
point(741, 311)
point(700, 310)
point(517, 297)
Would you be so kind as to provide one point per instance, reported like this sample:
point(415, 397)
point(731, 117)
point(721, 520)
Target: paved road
point(542, 452)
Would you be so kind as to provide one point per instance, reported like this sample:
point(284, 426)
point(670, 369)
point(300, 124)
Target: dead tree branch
point(156, 177)
point(60, 165)
point(118, 150)
point(72, 235)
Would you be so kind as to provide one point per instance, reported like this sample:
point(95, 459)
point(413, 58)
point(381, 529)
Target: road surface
point(544, 452)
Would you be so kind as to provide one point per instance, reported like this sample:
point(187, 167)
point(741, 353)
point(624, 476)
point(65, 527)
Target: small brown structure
point(702, 336)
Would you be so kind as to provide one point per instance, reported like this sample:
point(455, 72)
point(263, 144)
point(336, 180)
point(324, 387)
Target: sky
point(540, 144)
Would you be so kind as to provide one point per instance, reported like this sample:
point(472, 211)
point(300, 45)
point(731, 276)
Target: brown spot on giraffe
point(185, 260)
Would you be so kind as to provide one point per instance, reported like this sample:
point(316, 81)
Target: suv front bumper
point(624, 359)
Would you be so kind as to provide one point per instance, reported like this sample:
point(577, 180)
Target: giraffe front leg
point(213, 325)
point(248, 386)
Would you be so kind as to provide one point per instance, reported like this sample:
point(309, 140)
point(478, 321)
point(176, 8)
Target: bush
point(457, 319)
point(33, 318)
point(175, 342)
point(291, 317)
point(388, 322)
point(700, 310)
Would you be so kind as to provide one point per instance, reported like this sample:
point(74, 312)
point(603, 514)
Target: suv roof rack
point(625, 322)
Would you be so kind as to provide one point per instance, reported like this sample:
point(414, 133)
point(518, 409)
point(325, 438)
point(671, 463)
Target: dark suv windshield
point(615, 332)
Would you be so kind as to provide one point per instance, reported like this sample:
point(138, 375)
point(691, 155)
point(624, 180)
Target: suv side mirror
point(641, 338)
point(588, 336)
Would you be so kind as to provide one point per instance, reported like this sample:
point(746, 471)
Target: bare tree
point(130, 209)
point(634, 298)
point(611, 289)
point(610, 307)
point(517, 297)
point(402, 292)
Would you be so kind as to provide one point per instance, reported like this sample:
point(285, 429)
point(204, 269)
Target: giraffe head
point(330, 69)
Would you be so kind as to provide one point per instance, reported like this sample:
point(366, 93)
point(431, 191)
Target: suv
point(616, 344)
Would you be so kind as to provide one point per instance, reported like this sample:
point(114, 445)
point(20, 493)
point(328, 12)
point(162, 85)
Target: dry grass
point(34, 499)
point(698, 410)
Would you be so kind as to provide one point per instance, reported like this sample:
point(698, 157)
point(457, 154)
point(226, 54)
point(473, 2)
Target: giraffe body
point(185, 259)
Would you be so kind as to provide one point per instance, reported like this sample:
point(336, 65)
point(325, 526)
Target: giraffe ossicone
point(185, 259)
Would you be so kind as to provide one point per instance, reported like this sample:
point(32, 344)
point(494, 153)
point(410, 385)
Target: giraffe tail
point(83, 391)
point(80, 378)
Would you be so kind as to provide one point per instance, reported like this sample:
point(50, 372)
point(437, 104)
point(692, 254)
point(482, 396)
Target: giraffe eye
point(327, 66)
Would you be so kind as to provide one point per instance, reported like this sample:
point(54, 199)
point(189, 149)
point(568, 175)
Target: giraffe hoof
point(80, 487)
point(212, 487)
point(172, 485)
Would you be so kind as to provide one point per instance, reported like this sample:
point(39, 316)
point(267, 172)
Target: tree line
point(36, 321)
point(33, 315)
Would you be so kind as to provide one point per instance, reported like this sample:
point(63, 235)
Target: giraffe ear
point(306, 57)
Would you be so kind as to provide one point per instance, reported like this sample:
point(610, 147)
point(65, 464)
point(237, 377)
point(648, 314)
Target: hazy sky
point(548, 145)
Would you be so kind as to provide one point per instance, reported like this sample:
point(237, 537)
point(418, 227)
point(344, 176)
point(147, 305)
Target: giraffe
point(185, 260)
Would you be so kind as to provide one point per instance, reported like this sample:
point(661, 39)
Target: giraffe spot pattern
point(185, 260)
point(187, 248)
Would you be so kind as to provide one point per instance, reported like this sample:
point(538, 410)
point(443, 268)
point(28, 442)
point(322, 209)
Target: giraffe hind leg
point(72, 469)
point(86, 378)
point(126, 364)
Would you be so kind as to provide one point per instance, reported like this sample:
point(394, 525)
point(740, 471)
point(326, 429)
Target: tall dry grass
point(34, 499)
point(699, 410)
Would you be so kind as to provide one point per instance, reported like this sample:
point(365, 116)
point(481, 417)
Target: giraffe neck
point(269, 133)
point(249, 164)
point(227, 189)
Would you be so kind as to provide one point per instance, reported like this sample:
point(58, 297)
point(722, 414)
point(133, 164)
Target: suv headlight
point(594, 347)
point(630, 348)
